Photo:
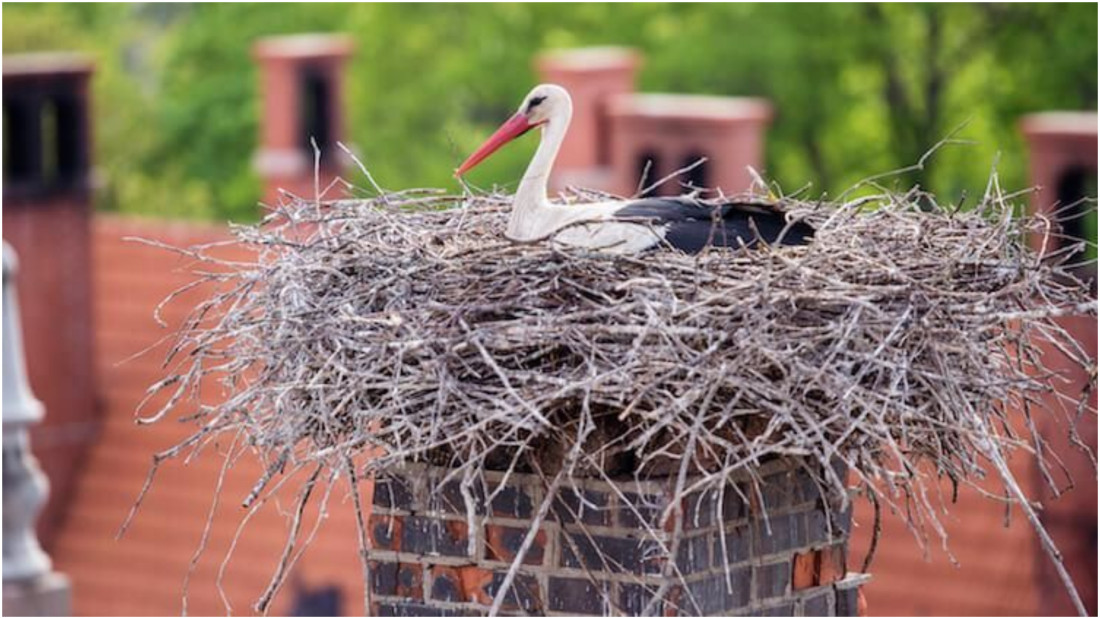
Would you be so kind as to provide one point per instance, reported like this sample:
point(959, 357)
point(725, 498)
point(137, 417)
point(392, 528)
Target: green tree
point(857, 89)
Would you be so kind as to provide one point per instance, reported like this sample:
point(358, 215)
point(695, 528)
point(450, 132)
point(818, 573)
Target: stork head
point(546, 103)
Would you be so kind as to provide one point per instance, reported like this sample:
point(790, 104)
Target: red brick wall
point(143, 573)
point(594, 555)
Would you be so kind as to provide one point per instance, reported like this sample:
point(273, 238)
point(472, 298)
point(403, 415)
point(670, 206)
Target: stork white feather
point(534, 216)
point(620, 226)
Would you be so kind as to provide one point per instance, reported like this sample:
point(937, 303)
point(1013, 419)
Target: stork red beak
point(515, 126)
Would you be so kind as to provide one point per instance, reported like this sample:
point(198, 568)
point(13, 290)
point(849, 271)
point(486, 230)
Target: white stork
point(619, 226)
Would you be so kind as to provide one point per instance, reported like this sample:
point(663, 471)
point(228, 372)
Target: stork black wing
point(691, 225)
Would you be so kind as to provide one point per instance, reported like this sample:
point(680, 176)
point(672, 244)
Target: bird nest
point(371, 334)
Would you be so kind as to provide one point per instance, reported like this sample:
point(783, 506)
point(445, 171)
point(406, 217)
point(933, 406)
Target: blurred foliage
point(858, 88)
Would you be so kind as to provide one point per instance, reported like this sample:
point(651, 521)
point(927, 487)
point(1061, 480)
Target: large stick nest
point(406, 326)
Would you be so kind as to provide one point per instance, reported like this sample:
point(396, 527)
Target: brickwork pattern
point(599, 552)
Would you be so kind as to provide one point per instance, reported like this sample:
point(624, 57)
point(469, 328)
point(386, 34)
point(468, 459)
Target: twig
point(409, 329)
point(664, 179)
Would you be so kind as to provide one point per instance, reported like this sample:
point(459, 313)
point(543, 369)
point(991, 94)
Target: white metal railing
point(25, 486)
point(31, 587)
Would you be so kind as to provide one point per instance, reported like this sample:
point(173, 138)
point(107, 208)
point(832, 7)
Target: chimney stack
point(592, 76)
point(302, 91)
point(617, 133)
point(47, 217)
point(1063, 158)
point(1062, 149)
point(657, 134)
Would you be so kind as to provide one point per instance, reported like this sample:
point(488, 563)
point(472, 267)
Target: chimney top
point(316, 45)
point(1069, 124)
point(691, 107)
point(590, 58)
point(46, 63)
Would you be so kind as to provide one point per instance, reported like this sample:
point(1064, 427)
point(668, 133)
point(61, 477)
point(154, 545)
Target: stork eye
point(534, 102)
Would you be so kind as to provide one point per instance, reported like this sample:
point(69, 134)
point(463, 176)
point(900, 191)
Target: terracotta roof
point(143, 573)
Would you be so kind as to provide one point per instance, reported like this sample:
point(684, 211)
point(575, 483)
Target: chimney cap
point(314, 45)
point(590, 58)
point(691, 107)
point(40, 64)
point(1060, 123)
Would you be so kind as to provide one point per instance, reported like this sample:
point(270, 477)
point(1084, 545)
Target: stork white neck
point(617, 226)
point(533, 216)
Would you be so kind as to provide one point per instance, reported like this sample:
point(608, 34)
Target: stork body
point(619, 226)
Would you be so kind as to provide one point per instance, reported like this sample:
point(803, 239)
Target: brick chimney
point(673, 131)
point(47, 214)
point(594, 556)
point(592, 76)
point(302, 91)
point(1062, 153)
point(1063, 156)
